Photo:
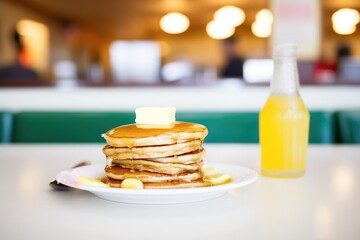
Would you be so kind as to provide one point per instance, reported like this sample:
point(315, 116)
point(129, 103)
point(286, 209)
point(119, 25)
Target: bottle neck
point(285, 79)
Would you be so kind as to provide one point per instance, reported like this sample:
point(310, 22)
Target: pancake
point(161, 158)
point(186, 158)
point(164, 185)
point(167, 168)
point(131, 136)
point(151, 151)
point(118, 173)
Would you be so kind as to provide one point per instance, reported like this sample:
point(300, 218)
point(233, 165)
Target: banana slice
point(91, 181)
point(225, 178)
point(132, 183)
point(210, 172)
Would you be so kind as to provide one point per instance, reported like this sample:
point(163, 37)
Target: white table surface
point(325, 204)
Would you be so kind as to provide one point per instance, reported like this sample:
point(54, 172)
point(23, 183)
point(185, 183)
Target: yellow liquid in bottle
point(284, 129)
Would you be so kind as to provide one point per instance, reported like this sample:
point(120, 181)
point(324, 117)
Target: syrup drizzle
point(131, 131)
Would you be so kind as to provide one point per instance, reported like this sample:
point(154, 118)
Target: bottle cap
point(284, 50)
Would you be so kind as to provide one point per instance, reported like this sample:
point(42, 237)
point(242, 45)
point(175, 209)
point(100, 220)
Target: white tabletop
point(325, 204)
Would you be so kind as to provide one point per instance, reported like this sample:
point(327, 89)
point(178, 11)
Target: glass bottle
point(284, 120)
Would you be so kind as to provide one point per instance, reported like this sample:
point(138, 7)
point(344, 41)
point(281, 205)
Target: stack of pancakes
point(159, 157)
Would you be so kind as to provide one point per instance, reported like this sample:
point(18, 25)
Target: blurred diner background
point(71, 70)
point(198, 55)
point(158, 42)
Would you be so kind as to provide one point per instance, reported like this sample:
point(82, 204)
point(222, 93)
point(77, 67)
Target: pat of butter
point(155, 116)
point(91, 181)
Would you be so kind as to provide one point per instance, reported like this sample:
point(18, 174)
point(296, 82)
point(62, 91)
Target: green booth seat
point(77, 127)
point(5, 127)
point(322, 127)
point(243, 127)
point(66, 127)
point(73, 127)
point(349, 123)
point(226, 127)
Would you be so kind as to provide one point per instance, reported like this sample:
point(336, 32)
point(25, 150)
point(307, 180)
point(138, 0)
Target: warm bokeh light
point(174, 23)
point(218, 30)
point(230, 15)
point(346, 16)
point(261, 29)
point(265, 15)
point(344, 29)
point(344, 21)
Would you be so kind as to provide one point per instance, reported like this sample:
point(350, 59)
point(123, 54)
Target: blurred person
point(234, 63)
point(18, 70)
point(343, 52)
point(347, 66)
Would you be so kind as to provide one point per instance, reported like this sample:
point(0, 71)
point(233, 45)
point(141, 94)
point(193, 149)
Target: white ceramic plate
point(241, 176)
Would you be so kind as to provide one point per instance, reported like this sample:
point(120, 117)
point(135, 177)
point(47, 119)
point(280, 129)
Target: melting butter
point(163, 116)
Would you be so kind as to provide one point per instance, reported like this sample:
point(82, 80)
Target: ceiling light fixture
point(218, 30)
point(174, 23)
point(344, 21)
point(344, 29)
point(262, 27)
point(230, 15)
point(346, 16)
point(265, 15)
